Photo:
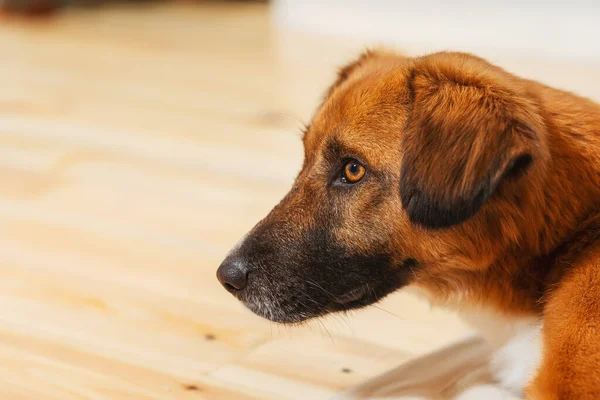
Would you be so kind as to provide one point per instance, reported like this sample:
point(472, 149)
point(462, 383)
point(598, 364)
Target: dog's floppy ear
point(470, 127)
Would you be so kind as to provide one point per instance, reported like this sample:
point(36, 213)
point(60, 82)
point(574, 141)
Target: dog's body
point(448, 174)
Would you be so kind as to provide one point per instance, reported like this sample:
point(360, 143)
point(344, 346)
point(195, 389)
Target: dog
point(447, 174)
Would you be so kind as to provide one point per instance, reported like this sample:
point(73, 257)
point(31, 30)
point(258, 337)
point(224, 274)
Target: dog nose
point(233, 274)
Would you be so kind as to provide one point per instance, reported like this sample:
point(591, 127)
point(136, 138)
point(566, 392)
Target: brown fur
point(535, 248)
point(489, 181)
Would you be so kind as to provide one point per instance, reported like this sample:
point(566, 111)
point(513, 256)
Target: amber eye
point(353, 172)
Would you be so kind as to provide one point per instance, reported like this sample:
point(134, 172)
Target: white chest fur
point(517, 347)
point(510, 352)
point(516, 344)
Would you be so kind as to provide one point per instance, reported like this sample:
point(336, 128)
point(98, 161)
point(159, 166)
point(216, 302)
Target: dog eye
point(353, 172)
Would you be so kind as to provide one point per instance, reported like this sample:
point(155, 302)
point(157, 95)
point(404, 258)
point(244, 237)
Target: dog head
point(413, 168)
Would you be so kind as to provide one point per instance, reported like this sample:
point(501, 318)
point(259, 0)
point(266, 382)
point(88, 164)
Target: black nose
point(233, 274)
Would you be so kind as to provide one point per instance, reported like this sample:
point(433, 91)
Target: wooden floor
point(136, 146)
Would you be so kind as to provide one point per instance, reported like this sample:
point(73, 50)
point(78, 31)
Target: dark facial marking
point(295, 280)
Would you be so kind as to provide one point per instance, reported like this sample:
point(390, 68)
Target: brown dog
point(449, 174)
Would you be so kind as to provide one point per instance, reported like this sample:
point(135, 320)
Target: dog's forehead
point(367, 112)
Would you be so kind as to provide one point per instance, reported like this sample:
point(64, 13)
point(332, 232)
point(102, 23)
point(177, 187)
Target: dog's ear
point(470, 127)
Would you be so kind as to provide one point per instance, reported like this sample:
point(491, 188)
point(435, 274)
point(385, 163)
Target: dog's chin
point(278, 315)
point(297, 312)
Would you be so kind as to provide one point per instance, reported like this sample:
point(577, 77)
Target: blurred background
point(140, 140)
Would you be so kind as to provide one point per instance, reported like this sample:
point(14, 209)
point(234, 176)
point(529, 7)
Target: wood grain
point(137, 144)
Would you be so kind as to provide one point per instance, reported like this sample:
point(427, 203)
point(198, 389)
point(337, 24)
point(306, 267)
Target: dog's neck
point(569, 194)
point(560, 219)
point(564, 216)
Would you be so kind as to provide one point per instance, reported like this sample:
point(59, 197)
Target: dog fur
point(482, 189)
